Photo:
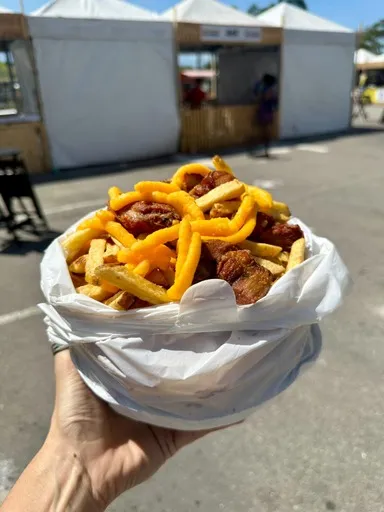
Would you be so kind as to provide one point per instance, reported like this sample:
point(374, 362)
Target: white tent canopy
point(290, 17)
point(364, 56)
point(208, 12)
point(94, 9)
point(4, 10)
point(317, 72)
point(97, 80)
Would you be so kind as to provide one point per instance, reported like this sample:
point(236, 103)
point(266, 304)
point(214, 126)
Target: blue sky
point(348, 13)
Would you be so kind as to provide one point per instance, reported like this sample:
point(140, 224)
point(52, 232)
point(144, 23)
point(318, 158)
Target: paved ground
point(317, 447)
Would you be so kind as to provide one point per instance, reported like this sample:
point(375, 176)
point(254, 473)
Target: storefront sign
point(216, 33)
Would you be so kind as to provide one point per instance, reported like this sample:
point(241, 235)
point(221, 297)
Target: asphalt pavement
point(319, 446)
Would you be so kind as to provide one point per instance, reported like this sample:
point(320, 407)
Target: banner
point(215, 33)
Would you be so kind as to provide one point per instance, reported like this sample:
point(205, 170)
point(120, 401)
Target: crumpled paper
point(203, 363)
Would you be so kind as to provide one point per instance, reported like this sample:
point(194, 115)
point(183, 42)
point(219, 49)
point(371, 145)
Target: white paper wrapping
point(205, 362)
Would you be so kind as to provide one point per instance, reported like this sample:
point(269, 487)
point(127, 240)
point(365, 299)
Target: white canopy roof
point(291, 17)
point(4, 10)
point(94, 9)
point(209, 12)
point(364, 56)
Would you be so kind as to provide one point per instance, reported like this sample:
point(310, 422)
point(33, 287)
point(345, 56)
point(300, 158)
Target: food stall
point(242, 56)
point(373, 66)
point(21, 126)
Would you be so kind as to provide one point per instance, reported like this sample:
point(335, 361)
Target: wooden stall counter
point(220, 126)
point(29, 137)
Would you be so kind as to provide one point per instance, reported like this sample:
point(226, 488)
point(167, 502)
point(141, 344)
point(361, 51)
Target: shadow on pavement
point(27, 243)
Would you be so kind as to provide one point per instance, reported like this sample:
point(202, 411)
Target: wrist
point(71, 485)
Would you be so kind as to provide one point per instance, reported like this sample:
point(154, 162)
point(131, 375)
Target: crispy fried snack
point(297, 255)
point(132, 283)
point(153, 243)
point(231, 190)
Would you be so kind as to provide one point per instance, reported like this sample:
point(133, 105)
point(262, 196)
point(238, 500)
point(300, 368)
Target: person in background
point(195, 97)
point(363, 78)
point(267, 96)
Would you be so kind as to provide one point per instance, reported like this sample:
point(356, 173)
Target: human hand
point(114, 452)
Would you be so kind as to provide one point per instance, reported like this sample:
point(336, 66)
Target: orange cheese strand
point(160, 237)
point(148, 187)
point(105, 215)
point(187, 274)
point(263, 198)
point(116, 230)
point(159, 257)
point(178, 178)
point(243, 213)
point(213, 227)
point(185, 237)
point(93, 223)
point(114, 192)
point(143, 268)
point(221, 165)
point(117, 203)
point(244, 232)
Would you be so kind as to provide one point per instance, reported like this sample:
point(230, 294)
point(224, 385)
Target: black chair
point(15, 188)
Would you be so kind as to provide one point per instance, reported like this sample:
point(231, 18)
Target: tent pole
point(22, 10)
point(281, 76)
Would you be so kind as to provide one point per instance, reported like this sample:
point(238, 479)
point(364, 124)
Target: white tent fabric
point(291, 17)
point(4, 10)
point(364, 56)
point(378, 58)
point(209, 12)
point(97, 81)
point(317, 72)
point(91, 9)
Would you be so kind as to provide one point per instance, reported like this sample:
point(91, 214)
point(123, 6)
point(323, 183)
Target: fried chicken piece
point(206, 269)
point(212, 180)
point(157, 277)
point(263, 223)
point(250, 281)
point(145, 217)
point(282, 235)
point(192, 180)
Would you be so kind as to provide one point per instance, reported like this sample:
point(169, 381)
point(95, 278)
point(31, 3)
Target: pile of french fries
point(108, 264)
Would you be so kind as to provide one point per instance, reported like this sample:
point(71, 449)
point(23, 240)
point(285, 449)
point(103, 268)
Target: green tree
point(298, 3)
point(255, 9)
point(372, 38)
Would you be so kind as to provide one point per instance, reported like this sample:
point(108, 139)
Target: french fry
point(283, 258)
point(117, 203)
point(221, 165)
point(116, 242)
point(159, 237)
point(262, 197)
point(108, 287)
point(225, 209)
point(143, 268)
point(111, 252)
point(105, 216)
point(74, 243)
point(261, 250)
point(231, 190)
point(78, 266)
point(184, 280)
point(121, 301)
point(133, 283)
point(94, 292)
point(95, 259)
point(178, 177)
point(297, 255)
point(281, 208)
point(185, 237)
point(275, 269)
point(114, 192)
point(243, 213)
point(78, 280)
point(148, 187)
point(116, 230)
